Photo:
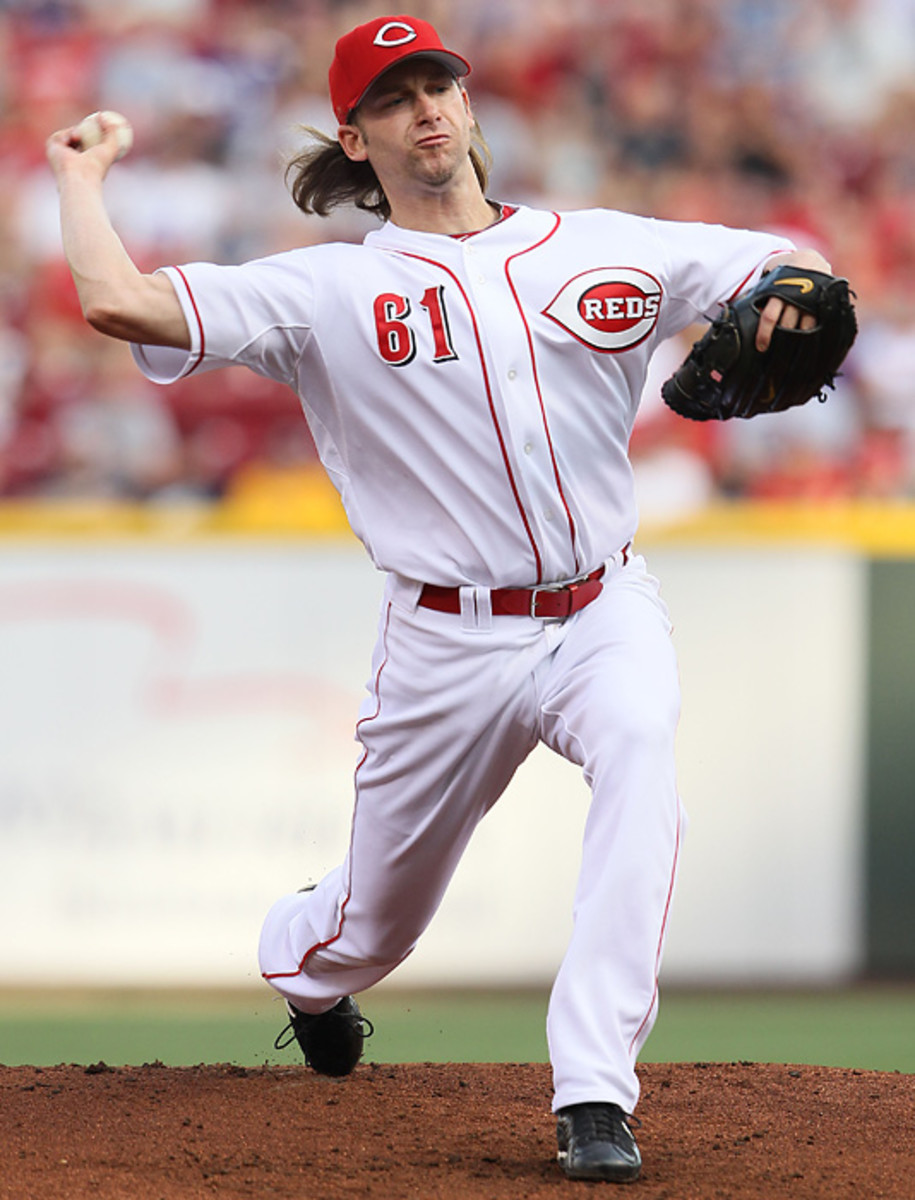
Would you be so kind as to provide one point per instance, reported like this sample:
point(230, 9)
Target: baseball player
point(470, 374)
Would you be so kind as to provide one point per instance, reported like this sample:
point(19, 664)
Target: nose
point(427, 106)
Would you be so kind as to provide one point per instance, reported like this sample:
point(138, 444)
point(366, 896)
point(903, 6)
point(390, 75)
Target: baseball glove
point(724, 374)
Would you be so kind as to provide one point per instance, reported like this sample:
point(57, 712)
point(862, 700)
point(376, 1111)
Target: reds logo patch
point(609, 309)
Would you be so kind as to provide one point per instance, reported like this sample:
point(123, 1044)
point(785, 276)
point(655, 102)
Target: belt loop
point(476, 609)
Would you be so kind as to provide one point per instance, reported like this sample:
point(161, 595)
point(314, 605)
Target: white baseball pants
point(455, 705)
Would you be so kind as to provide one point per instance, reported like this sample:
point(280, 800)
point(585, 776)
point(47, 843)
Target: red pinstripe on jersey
point(543, 416)
point(492, 408)
point(190, 295)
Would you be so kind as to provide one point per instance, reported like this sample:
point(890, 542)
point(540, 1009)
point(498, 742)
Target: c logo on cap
point(383, 38)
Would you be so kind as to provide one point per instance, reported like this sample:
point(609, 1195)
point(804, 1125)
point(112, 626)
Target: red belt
point(551, 602)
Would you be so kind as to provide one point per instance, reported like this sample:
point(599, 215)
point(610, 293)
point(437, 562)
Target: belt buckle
point(553, 588)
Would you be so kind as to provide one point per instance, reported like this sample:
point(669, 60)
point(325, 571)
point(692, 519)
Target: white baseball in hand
point(89, 132)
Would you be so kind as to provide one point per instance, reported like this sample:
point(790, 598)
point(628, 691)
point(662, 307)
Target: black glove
point(724, 374)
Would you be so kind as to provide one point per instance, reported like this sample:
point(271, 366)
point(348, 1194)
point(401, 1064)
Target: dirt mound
point(442, 1132)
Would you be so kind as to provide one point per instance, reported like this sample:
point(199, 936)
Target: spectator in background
point(791, 115)
point(884, 365)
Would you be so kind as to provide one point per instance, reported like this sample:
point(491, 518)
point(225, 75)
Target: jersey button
point(528, 447)
point(513, 374)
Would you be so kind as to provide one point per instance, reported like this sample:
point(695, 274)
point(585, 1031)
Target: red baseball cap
point(366, 52)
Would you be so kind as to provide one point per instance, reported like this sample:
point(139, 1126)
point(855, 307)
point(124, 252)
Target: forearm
point(104, 274)
point(116, 297)
point(806, 257)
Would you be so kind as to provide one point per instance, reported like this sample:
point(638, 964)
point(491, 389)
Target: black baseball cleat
point(331, 1041)
point(596, 1142)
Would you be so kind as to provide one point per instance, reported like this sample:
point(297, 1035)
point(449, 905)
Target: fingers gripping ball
point(725, 375)
point(90, 131)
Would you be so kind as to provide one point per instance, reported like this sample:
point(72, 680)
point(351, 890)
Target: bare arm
point(116, 297)
point(777, 312)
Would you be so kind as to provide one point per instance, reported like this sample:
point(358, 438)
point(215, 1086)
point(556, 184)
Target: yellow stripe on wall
point(304, 504)
point(875, 529)
point(301, 503)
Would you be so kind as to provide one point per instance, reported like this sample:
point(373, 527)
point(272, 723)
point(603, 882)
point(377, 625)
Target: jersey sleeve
point(258, 315)
point(708, 266)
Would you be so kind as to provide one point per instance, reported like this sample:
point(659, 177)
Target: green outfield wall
point(890, 781)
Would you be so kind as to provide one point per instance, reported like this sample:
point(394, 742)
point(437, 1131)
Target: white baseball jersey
point(471, 397)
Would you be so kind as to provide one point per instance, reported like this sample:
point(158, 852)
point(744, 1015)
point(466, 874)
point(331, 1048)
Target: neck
point(449, 212)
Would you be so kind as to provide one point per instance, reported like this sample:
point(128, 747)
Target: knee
point(385, 944)
point(636, 747)
point(644, 723)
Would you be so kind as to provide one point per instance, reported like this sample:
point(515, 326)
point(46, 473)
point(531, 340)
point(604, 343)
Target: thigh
point(443, 704)
point(449, 716)
point(613, 684)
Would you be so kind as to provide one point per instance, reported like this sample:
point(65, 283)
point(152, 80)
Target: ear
point(351, 139)
point(466, 98)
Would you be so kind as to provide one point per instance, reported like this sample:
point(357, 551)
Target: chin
point(440, 170)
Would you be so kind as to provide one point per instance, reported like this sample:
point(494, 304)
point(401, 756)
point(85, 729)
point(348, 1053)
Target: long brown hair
point(321, 177)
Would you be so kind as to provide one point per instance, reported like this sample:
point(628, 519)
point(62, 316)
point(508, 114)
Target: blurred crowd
point(792, 115)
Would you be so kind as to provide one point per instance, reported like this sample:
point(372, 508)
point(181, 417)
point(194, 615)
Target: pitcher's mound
point(443, 1132)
